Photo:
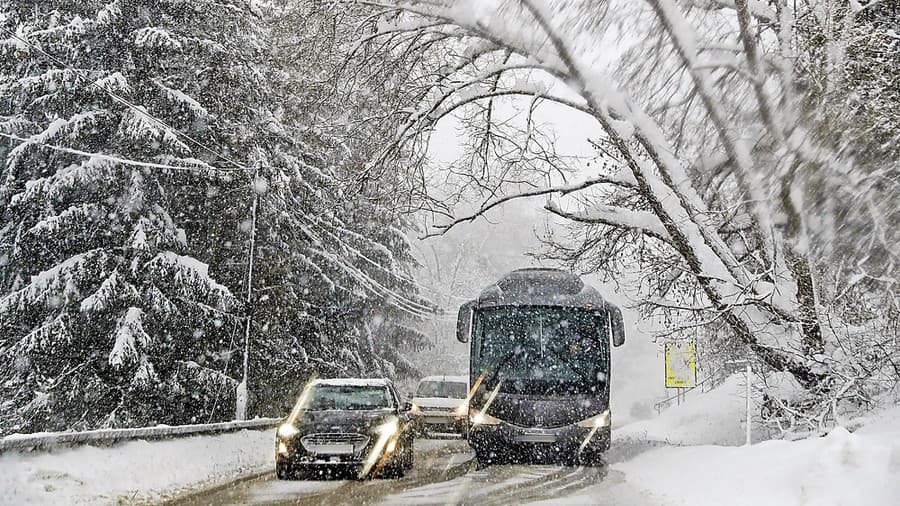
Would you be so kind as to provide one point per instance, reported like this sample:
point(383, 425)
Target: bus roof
point(541, 287)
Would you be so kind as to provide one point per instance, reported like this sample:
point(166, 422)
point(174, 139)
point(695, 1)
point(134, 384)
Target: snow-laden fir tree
point(106, 317)
point(110, 314)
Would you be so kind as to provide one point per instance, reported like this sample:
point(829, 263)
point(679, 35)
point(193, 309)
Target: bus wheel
point(592, 459)
point(484, 460)
point(489, 458)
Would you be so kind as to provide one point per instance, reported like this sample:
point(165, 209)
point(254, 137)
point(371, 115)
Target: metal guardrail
point(714, 379)
point(46, 440)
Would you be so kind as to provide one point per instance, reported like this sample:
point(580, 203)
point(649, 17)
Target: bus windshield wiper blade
point(493, 374)
point(568, 362)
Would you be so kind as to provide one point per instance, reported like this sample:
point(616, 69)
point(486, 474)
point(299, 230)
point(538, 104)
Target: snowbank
point(716, 417)
point(132, 472)
point(838, 469)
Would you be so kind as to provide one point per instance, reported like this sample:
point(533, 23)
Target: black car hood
point(342, 421)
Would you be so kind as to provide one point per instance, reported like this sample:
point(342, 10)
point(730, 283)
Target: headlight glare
point(598, 421)
point(388, 428)
point(287, 430)
point(482, 418)
point(462, 409)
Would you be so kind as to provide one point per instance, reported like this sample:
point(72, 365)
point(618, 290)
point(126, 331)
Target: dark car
point(356, 426)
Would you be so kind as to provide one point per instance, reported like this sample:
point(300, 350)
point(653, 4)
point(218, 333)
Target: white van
point(440, 405)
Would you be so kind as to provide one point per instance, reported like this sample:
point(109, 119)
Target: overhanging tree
point(718, 156)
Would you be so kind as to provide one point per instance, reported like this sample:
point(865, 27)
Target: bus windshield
point(445, 389)
point(541, 350)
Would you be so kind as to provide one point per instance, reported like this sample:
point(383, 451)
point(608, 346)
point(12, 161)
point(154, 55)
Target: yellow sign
point(681, 364)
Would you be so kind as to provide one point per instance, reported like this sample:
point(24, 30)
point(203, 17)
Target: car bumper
point(443, 423)
point(297, 456)
point(555, 444)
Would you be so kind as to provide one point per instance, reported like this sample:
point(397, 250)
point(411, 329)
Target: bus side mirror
point(616, 326)
point(464, 322)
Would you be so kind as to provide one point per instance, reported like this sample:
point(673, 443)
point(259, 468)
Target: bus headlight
point(596, 422)
point(462, 409)
point(482, 418)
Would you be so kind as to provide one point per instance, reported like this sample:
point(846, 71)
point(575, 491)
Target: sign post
point(749, 374)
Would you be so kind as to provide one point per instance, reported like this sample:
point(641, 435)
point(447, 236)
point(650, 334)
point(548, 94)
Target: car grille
point(439, 411)
point(325, 442)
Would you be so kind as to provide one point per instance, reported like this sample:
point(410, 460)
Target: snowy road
point(445, 473)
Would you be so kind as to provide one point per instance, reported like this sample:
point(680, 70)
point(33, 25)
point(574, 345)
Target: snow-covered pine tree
point(107, 319)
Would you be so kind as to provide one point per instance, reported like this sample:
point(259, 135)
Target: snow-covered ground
point(137, 471)
point(689, 455)
point(716, 417)
point(700, 464)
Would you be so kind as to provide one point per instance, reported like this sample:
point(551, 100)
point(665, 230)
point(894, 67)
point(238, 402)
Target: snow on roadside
point(716, 417)
point(708, 467)
point(841, 468)
point(132, 472)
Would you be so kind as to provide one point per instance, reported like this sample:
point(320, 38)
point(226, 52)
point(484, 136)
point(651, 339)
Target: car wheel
point(398, 472)
point(410, 457)
point(282, 470)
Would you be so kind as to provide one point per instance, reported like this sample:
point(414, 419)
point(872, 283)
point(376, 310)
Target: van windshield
point(448, 389)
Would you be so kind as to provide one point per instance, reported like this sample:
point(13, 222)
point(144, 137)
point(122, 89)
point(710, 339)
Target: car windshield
point(449, 389)
point(541, 350)
point(349, 397)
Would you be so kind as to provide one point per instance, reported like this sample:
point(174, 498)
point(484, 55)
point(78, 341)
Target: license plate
point(535, 438)
point(336, 449)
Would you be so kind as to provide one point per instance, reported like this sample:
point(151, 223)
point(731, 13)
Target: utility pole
point(242, 394)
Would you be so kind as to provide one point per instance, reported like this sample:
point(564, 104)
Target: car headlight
point(601, 420)
point(388, 428)
point(415, 409)
point(287, 430)
point(462, 409)
point(481, 418)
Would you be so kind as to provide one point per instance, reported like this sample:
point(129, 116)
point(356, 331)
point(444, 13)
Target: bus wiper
point(561, 356)
point(493, 374)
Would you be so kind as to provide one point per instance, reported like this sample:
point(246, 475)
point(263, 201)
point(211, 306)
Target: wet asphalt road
point(445, 472)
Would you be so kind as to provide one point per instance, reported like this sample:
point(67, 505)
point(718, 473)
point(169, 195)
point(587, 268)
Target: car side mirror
point(406, 406)
point(464, 321)
point(616, 326)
